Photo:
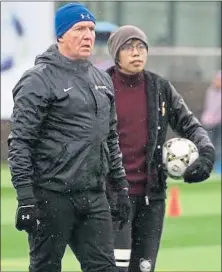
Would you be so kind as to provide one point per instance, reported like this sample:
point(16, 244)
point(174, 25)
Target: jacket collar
point(111, 71)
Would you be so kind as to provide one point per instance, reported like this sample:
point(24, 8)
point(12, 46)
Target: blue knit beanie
point(70, 14)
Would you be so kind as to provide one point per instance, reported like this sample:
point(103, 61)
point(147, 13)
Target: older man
point(63, 143)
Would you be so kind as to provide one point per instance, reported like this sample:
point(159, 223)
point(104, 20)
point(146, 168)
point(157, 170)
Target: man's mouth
point(136, 61)
point(86, 46)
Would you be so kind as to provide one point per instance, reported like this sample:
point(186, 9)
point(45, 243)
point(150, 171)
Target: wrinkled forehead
point(84, 24)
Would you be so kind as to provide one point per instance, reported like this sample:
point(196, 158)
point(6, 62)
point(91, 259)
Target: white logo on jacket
point(66, 90)
point(103, 87)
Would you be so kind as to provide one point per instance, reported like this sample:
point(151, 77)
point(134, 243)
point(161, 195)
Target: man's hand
point(123, 207)
point(27, 216)
point(201, 168)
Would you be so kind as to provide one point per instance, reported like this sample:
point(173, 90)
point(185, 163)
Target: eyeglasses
point(140, 47)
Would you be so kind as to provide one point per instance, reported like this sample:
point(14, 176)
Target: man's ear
point(60, 39)
point(117, 62)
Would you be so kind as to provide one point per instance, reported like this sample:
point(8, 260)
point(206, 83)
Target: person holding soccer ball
point(146, 105)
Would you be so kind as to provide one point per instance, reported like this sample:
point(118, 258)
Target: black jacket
point(63, 130)
point(166, 107)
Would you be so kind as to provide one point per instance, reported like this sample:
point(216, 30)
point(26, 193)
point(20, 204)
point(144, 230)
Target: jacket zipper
point(94, 99)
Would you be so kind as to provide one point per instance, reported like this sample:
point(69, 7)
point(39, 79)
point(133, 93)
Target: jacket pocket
point(55, 162)
point(73, 164)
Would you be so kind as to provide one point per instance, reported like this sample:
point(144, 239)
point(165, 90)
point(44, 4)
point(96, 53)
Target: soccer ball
point(145, 265)
point(178, 154)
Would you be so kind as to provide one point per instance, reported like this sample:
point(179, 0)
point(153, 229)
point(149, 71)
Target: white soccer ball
point(178, 154)
point(145, 265)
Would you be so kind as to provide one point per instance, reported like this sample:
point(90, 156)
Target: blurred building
point(167, 23)
point(184, 37)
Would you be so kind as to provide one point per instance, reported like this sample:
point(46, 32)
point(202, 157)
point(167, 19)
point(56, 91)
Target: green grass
point(190, 242)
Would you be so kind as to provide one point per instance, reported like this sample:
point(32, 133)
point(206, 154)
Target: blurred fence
point(185, 64)
point(189, 69)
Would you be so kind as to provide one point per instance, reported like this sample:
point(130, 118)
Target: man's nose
point(88, 34)
point(135, 51)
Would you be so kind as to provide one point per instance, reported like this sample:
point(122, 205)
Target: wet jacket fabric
point(63, 127)
point(166, 107)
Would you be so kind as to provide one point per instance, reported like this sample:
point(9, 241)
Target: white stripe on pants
point(122, 257)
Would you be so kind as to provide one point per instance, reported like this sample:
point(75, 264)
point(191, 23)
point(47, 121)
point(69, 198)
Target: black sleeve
point(31, 100)
point(117, 175)
point(183, 122)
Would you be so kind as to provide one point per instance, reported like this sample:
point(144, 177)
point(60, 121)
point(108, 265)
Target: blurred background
point(184, 47)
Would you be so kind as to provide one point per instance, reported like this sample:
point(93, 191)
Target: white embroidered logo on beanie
point(83, 16)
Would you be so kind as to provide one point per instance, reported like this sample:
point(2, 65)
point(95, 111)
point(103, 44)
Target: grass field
point(191, 242)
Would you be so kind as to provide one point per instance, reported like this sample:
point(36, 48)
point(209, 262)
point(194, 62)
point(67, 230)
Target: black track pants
point(140, 238)
point(82, 221)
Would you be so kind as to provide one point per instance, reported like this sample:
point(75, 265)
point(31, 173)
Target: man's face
point(132, 57)
point(78, 41)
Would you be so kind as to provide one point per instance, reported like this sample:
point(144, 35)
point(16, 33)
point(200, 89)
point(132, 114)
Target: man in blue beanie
point(75, 31)
point(62, 147)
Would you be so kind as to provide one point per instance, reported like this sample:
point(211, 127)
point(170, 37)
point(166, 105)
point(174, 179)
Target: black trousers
point(83, 222)
point(140, 238)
